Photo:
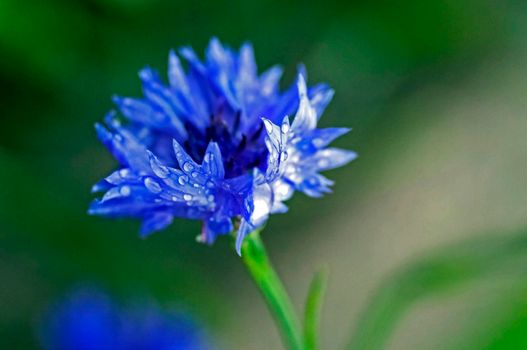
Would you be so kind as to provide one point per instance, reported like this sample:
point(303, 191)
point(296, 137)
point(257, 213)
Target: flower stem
point(257, 262)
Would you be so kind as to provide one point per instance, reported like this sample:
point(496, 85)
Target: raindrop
point(152, 185)
point(124, 173)
point(125, 191)
point(318, 143)
point(187, 197)
point(188, 166)
point(182, 179)
point(322, 163)
point(159, 169)
point(295, 177)
point(283, 156)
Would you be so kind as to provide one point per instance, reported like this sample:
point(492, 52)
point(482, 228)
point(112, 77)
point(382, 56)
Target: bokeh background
point(425, 234)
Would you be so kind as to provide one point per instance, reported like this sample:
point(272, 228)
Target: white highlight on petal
point(261, 210)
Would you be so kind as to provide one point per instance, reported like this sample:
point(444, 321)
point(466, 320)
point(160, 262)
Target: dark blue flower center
point(241, 150)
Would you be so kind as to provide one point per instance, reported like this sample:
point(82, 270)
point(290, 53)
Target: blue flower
point(216, 145)
point(89, 320)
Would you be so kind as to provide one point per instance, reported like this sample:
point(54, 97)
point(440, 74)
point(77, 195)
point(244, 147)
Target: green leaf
point(313, 309)
point(450, 267)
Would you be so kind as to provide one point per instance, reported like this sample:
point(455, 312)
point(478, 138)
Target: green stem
point(255, 259)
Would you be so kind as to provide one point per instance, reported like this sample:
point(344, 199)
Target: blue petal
point(176, 75)
point(118, 206)
point(282, 191)
point(166, 107)
point(123, 145)
point(177, 186)
point(244, 230)
point(306, 117)
point(315, 185)
point(247, 64)
point(214, 226)
point(259, 203)
point(269, 81)
point(320, 96)
point(323, 137)
point(199, 83)
point(287, 103)
point(219, 57)
point(155, 222)
point(331, 158)
point(118, 177)
point(186, 163)
point(213, 162)
point(276, 142)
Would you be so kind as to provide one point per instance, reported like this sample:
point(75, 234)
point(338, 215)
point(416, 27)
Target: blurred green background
point(425, 234)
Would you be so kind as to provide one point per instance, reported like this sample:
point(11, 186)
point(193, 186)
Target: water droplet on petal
point(187, 197)
point(124, 173)
point(194, 174)
point(295, 177)
point(210, 198)
point(159, 169)
point(318, 143)
point(182, 179)
point(152, 185)
point(125, 191)
point(283, 156)
point(322, 163)
point(210, 184)
point(188, 166)
point(285, 128)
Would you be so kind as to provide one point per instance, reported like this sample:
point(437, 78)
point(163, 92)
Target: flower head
point(89, 319)
point(216, 145)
